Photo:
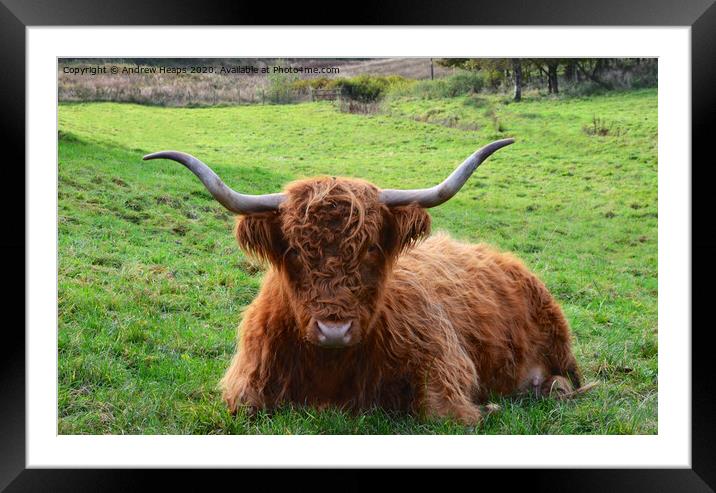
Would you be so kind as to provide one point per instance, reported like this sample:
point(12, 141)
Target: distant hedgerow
point(460, 84)
point(363, 88)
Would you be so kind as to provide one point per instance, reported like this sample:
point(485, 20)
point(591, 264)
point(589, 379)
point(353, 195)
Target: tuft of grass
point(152, 284)
point(601, 128)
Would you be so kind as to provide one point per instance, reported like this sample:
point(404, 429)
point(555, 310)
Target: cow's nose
point(334, 333)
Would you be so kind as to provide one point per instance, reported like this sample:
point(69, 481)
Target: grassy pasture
point(151, 283)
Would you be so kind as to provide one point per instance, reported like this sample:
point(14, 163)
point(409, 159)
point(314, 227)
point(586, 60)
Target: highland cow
point(361, 309)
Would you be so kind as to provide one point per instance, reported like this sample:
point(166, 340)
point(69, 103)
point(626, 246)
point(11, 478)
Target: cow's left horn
point(233, 201)
point(430, 197)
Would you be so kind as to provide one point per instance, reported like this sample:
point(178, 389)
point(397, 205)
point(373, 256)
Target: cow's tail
point(577, 392)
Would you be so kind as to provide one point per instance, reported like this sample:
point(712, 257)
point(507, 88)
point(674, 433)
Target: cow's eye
point(373, 248)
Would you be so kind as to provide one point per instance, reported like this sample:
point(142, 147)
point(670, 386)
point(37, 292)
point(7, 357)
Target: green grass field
point(152, 284)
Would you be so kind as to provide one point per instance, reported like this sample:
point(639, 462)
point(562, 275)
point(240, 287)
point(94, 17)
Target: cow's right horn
point(233, 201)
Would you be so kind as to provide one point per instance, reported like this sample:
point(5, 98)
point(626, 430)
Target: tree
point(517, 76)
point(609, 73)
point(570, 70)
point(548, 67)
point(592, 73)
point(552, 66)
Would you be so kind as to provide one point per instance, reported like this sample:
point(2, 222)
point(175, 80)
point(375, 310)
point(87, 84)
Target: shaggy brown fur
point(437, 324)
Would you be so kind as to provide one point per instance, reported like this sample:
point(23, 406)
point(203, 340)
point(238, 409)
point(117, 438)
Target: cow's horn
point(233, 201)
point(430, 197)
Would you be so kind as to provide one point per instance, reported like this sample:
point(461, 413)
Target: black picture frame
point(17, 15)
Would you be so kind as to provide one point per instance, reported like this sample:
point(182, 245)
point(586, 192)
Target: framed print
point(545, 323)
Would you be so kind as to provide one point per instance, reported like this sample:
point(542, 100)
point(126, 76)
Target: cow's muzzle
point(331, 333)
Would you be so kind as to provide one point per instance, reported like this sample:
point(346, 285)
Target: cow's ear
point(409, 224)
point(260, 235)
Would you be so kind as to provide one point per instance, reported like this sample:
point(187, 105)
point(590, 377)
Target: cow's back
point(452, 292)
